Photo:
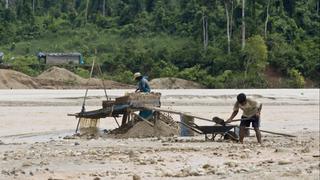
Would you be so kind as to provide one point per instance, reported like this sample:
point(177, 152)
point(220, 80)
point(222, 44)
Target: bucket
point(237, 132)
point(185, 131)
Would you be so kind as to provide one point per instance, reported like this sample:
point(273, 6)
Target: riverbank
point(34, 123)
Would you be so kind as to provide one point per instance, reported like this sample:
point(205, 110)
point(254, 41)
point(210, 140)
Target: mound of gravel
point(174, 83)
point(56, 77)
point(163, 127)
point(144, 130)
point(61, 74)
point(10, 79)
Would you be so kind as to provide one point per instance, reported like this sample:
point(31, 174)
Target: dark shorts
point(254, 120)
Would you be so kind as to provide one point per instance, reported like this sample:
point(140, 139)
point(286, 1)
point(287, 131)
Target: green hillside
point(199, 40)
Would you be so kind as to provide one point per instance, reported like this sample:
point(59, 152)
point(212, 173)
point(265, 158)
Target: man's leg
point(242, 133)
point(256, 125)
point(258, 134)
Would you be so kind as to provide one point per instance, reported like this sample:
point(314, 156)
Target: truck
point(61, 58)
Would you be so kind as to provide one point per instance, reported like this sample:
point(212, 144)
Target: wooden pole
point(179, 113)
point(271, 132)
point(148, 122)
point(205, 119)
point(116, 121)
point(85, 96)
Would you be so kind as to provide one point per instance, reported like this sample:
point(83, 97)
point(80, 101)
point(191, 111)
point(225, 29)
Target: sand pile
point(144, 130)
point(164, 127)
point(10, 79)
point(56, 77)
point(60, 74)
point(174, 83)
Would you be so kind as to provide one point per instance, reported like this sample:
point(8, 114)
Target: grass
point(87, 41)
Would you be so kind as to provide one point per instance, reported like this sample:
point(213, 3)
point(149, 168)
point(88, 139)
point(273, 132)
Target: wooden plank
point(76, 114)
point(143, 119)
point(190, 127)
point(124, 119)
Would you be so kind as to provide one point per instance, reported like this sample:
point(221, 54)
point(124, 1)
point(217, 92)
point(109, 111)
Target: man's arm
point(259, 110)
point(144, 85)
point(234, 113)
point(138, 87)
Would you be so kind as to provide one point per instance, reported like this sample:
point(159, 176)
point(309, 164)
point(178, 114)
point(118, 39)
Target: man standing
point(143, 85)
point(251, 114)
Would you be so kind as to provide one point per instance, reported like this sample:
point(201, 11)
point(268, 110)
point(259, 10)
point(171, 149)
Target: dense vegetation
point(219, 43)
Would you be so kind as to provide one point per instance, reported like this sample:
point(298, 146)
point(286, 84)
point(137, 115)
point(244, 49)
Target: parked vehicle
point(1, 57)
point(61, 58)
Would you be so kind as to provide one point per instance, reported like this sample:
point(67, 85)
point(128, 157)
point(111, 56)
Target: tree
point(87, 5)
point(135, 6)
point(24, 12)
point(296, 79)
point(228, 24)
point(289, 6)
point(266, 22)
point(104, 8)
point(33, 6)
point(205, 31)
point(255, 55)
point(243, 27)
point(150, 4)
point(208, 35)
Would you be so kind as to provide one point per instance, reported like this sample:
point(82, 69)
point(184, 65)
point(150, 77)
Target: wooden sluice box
point(122, 105)
point(140, 100)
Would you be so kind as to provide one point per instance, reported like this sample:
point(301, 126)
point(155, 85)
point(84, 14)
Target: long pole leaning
point(85, 95)
point(215, 120)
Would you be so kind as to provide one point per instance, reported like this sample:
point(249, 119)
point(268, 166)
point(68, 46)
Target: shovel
point(222, 122)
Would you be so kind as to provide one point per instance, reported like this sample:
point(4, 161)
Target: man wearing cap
point(251, 113)
point(143, 85)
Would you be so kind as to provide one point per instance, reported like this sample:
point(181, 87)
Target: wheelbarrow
point(210, 132)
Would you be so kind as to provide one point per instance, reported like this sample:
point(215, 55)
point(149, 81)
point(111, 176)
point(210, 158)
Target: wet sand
point(34, 122)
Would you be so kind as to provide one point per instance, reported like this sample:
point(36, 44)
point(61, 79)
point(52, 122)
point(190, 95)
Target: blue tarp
point(81, 61)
